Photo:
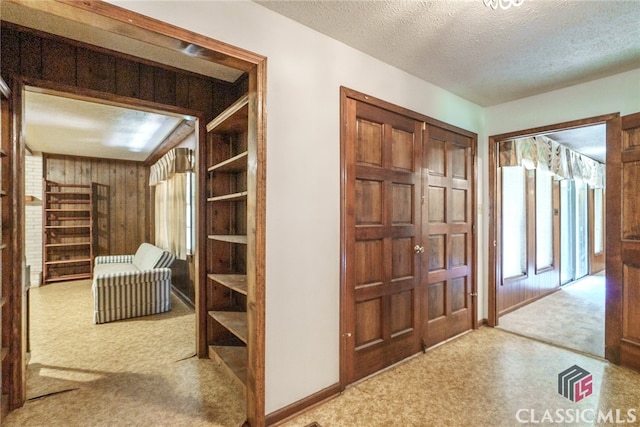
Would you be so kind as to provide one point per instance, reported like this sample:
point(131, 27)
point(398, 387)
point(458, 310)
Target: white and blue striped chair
point(126, 286)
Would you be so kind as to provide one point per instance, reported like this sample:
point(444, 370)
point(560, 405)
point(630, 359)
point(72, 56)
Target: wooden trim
point(343, 239)
point(288, 412)
point(109, 17)
point(554, 127)
point(184, 129)
point(474, 231)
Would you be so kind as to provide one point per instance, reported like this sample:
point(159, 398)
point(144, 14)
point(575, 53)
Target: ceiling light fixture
point(503, 4)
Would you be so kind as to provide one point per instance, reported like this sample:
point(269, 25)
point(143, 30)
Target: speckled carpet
point(131, 372)
point(572, 317)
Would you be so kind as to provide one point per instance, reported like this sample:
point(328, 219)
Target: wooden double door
point(407, 234)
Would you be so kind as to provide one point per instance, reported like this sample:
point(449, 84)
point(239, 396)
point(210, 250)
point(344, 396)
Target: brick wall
point(33, 216)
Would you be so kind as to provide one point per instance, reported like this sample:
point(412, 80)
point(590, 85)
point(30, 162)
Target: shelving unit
point(68, 231)
point(226, 229)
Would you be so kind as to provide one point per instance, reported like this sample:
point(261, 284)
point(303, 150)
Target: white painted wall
point(305, 71)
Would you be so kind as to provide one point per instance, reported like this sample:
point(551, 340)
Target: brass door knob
point(418, 249)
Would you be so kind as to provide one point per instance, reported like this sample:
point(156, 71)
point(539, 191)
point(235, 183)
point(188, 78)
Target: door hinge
point(424, 345)
point(473, 294)
point(473, 229)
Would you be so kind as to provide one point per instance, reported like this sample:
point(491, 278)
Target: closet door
point(382, 155)
point(447, 230)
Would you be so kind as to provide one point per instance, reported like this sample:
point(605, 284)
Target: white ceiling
point(58, 125)
point(483, 55)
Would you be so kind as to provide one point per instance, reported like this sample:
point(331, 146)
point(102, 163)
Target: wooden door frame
point(347, 170)
point(493, 243)
point(122, 21)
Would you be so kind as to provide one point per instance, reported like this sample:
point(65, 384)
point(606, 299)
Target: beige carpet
point(572, 317)
point(481, 379)
point(132, 372)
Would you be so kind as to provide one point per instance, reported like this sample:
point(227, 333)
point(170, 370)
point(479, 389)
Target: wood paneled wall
point(123, 206)
point(35, 55)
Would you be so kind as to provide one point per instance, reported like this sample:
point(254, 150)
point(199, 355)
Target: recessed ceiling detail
point(59, 125)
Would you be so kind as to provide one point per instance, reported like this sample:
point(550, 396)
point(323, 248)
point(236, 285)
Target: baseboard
point(285, 414)
point(483, 322)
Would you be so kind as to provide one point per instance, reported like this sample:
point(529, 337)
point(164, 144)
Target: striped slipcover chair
point(126, 286)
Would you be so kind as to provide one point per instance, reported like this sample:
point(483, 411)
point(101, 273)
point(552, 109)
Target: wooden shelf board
point(233, 118)
point(3, 193)
point(66, 210)
point(3, 246)
point(67, 277)
point(63, 245)
point(229, 238)
point(68, 261)
point(234, 164)
point(229, 197)
point(3, 353)
point(237, 282)
point(68, 202)
point(70, 218)
point(66, 227)
point(3, 301)
point(233, 358)
point(234, 321)
point(57, 184)
point(3, 153)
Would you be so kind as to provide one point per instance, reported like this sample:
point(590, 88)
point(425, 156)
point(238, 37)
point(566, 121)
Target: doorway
point(142, 81)
point(576, 241)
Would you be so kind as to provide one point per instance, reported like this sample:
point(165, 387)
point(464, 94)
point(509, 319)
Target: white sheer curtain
point(170, 176)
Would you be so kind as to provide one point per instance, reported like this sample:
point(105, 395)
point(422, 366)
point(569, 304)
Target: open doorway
point(550, 227)
point(160, 71)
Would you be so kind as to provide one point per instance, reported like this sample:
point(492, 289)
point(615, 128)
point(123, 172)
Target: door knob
point(418, 249)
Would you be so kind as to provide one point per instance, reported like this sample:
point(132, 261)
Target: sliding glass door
point(574, 231)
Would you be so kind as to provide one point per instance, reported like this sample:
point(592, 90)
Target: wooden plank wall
point(35, 55)
point(123, 205)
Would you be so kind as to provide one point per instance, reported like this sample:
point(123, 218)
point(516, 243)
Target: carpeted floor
point(131, 372)
point(572, 317)
point(486, 378)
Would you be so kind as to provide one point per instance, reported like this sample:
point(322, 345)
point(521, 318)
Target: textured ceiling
point(485, 56)
point(69, 126)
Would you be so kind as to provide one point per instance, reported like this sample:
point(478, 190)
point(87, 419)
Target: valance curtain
point(169, 175)
point(542, 153)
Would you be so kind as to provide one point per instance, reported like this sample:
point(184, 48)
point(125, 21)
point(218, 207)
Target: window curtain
point(545, 154)
point(169, 176)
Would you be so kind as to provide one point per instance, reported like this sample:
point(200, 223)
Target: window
point(514, 222)
point(544, 220)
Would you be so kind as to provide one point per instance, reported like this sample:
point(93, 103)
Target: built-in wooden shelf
point(229, 197)
point(237, 282)
point(68, 261)
point(67, 277)
point(64, 245)
point(234, 164)
point(67, 227)
point(233, 358)
point(229, 238)
point(233, 119)
point(234, 321)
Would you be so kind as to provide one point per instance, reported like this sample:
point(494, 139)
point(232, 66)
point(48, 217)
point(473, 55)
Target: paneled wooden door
point(447, 285)
point(381, 223)
point(622, 335)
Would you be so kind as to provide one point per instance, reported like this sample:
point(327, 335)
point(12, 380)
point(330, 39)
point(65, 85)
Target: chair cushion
point(114, 267)
point(147, 256)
